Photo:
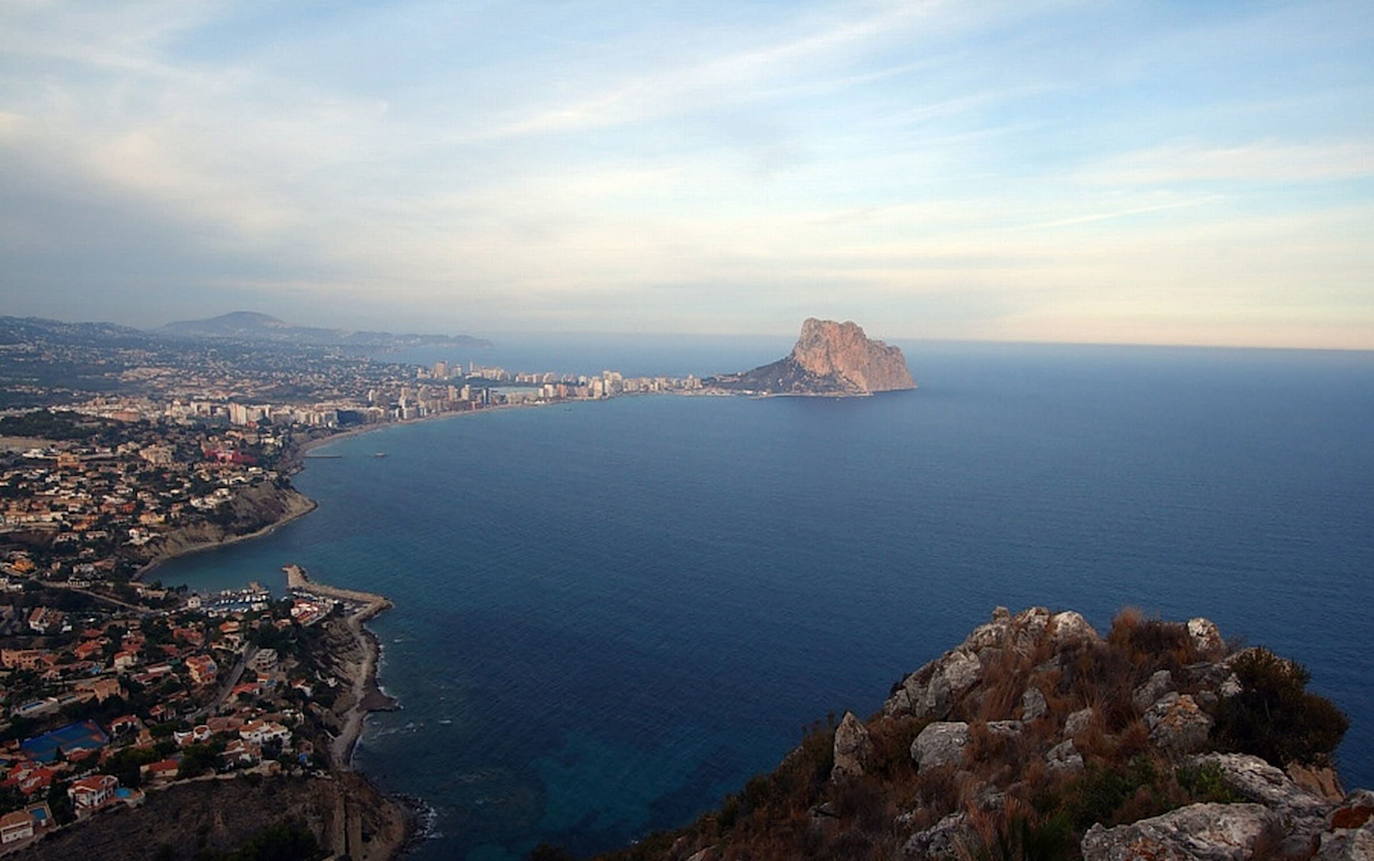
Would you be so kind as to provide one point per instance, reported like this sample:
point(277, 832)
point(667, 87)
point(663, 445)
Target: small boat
point(379, 454)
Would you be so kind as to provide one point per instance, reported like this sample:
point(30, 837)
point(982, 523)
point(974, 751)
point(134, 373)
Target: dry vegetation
point(1016, 806)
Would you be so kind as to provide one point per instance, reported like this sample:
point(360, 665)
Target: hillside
point(1038, 738)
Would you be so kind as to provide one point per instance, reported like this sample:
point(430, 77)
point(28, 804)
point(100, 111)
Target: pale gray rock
point(1033, 705)
point(1064, 757)
point(939, 744)
point(1077, 723)
point(1177, 724)
point(1155, 687)
point(853, 749)
point(944, 839)
point(1198, 832)
point(1070, 627)
point(1206, 638)
point(1257, 780)
point(934, 689)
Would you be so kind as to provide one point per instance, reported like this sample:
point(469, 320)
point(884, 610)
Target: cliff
point(342, 814)
point(250, 512)
point(828, 359)
point(1039, 738)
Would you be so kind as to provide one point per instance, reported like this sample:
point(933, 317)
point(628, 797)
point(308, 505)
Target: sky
point(1193, 172)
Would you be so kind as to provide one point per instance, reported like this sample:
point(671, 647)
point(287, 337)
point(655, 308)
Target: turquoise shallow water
point(610, 614)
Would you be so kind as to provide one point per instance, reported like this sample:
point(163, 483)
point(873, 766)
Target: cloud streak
point(953, 170)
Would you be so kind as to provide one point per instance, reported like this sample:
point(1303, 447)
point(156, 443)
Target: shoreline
point(202, 546)
point(368, 696)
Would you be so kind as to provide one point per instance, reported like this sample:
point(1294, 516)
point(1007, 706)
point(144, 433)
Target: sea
point(611, 614)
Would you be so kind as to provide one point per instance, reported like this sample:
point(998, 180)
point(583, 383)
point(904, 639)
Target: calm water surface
point(610, 614)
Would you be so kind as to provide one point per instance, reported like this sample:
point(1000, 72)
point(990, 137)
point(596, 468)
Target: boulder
point(1033, 705)
point(853, 748)
point(1258, 781)
point(944, 839)
point(934, 689)
point(1070, 627)
point(1177, 724)
point(1198, 832)
point(1078, 722)
point(1206, 638)
point(1149, 693)
point(1064, 757)
point(939, 744)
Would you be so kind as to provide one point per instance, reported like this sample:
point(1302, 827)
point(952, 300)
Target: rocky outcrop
point(1177, 724)
point(1035, 718)
point(1198, 832)
point(829, 359)
point(853, 749)
point(939, 744)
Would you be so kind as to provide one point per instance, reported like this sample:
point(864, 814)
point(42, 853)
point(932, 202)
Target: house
point(15, 826)
point(197, 735)
point(162, 771)
point(89, 794)
point(261, 732)
point(202, 669)
point(240, 752)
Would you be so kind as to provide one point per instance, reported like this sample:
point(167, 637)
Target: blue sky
point(1153, 172)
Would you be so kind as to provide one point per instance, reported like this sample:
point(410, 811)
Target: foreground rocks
point(1012, 738)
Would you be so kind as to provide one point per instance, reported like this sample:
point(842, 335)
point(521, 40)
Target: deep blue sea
point(610, 614)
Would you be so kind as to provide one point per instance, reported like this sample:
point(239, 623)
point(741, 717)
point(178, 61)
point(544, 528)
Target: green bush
point(1275, 717)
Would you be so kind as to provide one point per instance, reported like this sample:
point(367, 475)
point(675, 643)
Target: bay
point(610, 614)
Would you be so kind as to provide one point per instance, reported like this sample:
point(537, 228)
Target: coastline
point(202, 546)
point(368, 696)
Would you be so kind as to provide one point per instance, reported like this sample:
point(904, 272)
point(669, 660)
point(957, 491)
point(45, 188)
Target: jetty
point(297, 580)
point(366, 695)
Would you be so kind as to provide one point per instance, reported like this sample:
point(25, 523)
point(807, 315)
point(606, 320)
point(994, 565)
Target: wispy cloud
point(894, 159)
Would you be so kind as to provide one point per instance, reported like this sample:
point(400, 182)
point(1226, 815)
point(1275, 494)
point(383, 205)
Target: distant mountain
point(252, 326)
point(829, 359)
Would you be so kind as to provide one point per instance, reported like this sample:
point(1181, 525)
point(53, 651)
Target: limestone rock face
point(826, 347)
point(944, 839)
point(1149, 693)
point(829, 359)
point(1206, 637)
point(1206, 832)
point(1261, 782)
point(940, 743)
point(853, 748)
point(1064, 757)
point(1033, 704)
point(1177, 724)
point(933, 689)
point(1077, 723)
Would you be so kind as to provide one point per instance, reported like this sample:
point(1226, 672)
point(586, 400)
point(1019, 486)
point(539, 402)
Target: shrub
point(1275, 717)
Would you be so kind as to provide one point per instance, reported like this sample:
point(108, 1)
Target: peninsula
point(830, 358)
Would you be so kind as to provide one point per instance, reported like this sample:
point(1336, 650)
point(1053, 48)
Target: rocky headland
point(829, 358)
point(1038, 737)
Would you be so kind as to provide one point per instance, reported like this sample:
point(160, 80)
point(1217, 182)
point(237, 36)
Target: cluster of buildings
point(90, 511)
point(113, 703)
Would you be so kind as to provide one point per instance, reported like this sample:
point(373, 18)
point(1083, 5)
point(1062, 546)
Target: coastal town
point(115, 688)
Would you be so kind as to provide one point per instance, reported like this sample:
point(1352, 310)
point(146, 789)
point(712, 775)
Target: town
point(113, 686)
